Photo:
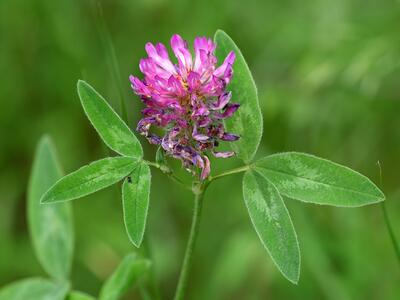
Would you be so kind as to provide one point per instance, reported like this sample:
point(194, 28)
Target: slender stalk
point(178, 180)
point(152, 164)
point(112, 60)
point(194, 230)
point(389, 227)
point(170, 175)
point(390, 231)
point(230, 172)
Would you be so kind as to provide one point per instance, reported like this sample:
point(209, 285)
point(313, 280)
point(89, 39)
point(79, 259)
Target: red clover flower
point(188, 100)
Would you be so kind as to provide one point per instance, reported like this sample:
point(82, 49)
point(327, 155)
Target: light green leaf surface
point(247, 121)
point(311, 179)
point(272, 223)
point(135, 200)
point(75, 295)
point(34, 289)
point(51, 226)
point(128, 272)
point(89, 179)
point(114, 132)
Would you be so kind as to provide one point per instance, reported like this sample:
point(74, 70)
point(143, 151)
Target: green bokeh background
point(328, 74)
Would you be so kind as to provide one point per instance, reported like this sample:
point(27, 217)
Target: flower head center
point(189, 100)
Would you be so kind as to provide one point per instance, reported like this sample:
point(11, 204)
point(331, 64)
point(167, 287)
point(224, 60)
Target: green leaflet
point(311, 179)
point(34, 289)
point(114, 132)
point(272, 223)
point(90, 178)
point(162, 160)
point(128, 272)
point(160, 156)
point(247, 121)
point(75, 295)
point(51, 226)
point(135, 200)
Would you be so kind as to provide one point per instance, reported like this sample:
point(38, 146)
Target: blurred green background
point(328, 74)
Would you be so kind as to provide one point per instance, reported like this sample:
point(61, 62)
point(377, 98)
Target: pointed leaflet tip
point(312, 179)
point(219, 32)
point(108, 124)
point(80, 83)
point(135, 202)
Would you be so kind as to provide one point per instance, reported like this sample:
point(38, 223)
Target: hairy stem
point(194, 230)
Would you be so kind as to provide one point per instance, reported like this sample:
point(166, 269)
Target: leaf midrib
point(321, 183)
point(92, 179)
point(136, 202)
point(100, 111)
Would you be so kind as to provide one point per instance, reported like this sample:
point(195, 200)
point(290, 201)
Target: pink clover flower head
point(188, 99)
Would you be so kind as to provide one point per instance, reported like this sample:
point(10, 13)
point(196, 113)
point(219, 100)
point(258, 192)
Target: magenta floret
point(189, 100)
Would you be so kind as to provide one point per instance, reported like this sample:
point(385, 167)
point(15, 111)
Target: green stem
point(230, 172)
point(198, 191)
point(152, 164)
point(194, 230)
point(389, 227)
point(390, 231)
